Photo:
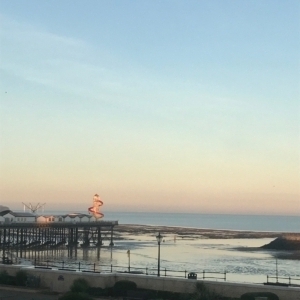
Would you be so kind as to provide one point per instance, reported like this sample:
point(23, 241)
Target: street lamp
point(159, 238)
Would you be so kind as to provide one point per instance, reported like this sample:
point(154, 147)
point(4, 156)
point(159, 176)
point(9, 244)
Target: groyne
point(61, 280)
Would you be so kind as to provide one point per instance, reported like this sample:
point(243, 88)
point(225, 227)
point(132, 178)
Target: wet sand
point(129, 232)
point(122, 231)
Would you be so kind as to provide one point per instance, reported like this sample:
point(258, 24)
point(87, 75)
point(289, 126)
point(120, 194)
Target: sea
point(241, 259)
point(211, 221)
point(271, 223)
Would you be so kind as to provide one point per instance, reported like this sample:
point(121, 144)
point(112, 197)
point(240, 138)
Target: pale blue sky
point(155, 105)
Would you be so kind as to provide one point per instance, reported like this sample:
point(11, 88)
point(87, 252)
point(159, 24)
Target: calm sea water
point(213, 221)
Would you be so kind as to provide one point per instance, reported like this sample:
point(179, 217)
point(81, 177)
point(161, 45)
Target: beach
point(121, 231)
point(237, 252)
point(133, 231)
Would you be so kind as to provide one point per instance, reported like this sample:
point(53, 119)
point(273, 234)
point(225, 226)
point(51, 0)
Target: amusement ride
point(95, 209)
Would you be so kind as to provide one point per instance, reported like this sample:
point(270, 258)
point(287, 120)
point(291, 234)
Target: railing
point(164, 272)
point(275, 280)
point(99, 268)
point(218, 275)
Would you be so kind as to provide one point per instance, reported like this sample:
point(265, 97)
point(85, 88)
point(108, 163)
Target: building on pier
point(73, 217)
point(18, 217)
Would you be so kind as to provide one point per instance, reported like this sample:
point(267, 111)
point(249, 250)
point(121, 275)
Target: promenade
point(60, 281)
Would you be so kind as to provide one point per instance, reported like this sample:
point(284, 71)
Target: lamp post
point(159, 238)
point(128, 254)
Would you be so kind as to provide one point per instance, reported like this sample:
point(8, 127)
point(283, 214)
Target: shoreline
point(124, 229)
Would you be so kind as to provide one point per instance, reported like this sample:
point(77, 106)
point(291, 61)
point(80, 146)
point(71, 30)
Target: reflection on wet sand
point(233, 252)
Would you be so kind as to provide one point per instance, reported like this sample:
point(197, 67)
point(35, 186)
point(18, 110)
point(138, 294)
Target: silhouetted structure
point(22, 236)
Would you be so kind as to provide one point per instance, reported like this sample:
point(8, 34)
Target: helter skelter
point(95, 209)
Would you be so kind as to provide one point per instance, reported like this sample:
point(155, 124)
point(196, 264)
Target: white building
point(68, 218)
point(8, 216)
point(46, 218)
point(18, 217)
point(77, 217)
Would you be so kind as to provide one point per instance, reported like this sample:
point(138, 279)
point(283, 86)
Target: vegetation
point(97, 291)
point(21, 278)
point(253, 296)
point(203, 293)
point(80, 290)
point(7, 279)
point(121, 287)
point(80, 285)
point(3, 277)
point(75, 296)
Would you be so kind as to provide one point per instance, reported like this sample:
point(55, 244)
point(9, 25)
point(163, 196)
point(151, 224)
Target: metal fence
point(164, 272)
point(284, 281)
point(100, 268)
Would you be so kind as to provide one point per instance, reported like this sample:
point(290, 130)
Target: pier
point(20, 237)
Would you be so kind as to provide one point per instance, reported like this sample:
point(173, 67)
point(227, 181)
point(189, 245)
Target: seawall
point(61, 280)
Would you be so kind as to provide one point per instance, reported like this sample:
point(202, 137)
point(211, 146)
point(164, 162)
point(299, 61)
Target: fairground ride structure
point(95, 209)
point(34, 208)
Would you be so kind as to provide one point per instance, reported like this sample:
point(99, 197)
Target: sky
point(158, 106)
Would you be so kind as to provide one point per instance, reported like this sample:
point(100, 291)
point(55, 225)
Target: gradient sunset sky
point(171, 106)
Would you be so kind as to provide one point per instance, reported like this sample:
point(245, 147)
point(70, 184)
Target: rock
point(288, 242)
